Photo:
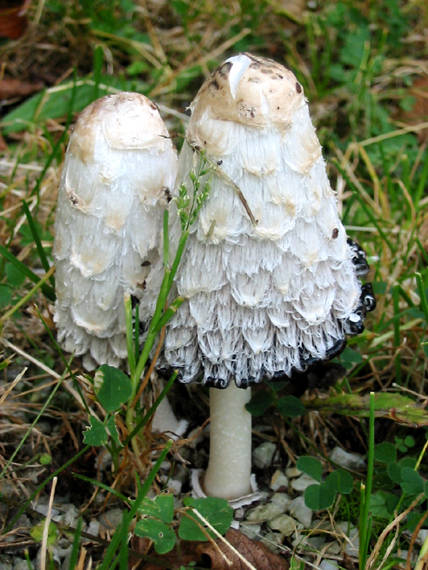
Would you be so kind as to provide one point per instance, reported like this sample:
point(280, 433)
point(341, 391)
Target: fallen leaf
point(254, 552)
point(419, 110)
point(3, 145)
point(204, 553)
point(13, 21)
point(15, 88)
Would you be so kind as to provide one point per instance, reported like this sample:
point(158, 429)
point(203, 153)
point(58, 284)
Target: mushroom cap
point(251, 90)
point(274, 292)
point(118, 164)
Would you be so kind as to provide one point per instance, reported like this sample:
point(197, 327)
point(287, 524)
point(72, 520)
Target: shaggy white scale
point(119, 163)
point(273, 296)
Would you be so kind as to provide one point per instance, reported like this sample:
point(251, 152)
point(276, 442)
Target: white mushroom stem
point(229, 468)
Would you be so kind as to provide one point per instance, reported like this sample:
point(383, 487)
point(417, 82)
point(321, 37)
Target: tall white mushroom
point(270, 280)
point(119, 168)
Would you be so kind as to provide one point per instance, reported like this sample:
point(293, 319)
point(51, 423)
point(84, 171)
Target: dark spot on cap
point(219, 162)
point(188, 111)
point(224, 69)
point(167, 193)
point(334, 233)
point(145, 263)
point(298, 87)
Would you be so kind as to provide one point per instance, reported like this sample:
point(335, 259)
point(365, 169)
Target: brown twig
point(413, 539)
point(388, 529)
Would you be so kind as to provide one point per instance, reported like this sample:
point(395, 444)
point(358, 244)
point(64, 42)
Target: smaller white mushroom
point(119, 168)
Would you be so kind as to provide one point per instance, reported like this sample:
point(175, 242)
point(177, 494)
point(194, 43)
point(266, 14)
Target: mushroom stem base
point(229, 468)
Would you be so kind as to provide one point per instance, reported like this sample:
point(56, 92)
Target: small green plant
point(288, 406)
point(322, 495)
point(397, 471)
point(198, 520)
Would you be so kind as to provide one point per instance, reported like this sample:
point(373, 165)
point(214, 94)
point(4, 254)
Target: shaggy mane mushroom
point(269, 276)
point(119, 168)
point(119, 162)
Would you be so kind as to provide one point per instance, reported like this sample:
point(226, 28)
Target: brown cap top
point(250, 90)
point(126, 120)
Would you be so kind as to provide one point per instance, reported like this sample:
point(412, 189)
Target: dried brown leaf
point(13, 21)
point(254, 552)
point(419, 111)
point(3, 145)
point(15, 88)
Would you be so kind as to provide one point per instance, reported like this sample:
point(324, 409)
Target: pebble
point(20, 564)
point(263, 454)
point(250, 530)
point(238, 514)
point(279, 480)
point(315, 542)
point(93, 528)
point(333, 548)
point(284, 523)
point(70, 515)
point(347, 460)
point(302, 482)
point(273, 540)
point(302, 513)
point(292, 472)
point(111, 519)
point(281, 499)
point(422, 535)
point(173, 485)
point(329, 565)
point(352, 545)
point(263, 513)
point(7, 489)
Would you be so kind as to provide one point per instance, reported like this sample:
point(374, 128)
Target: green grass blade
point(34, 232)
point(365, 518)
point(165, 239)
point(48, 291)
point(422, 294)
point(26, 297)
point(101, 485)
point(75, 546)
point(152, 410)
point(364, 206)
point(120, 537)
